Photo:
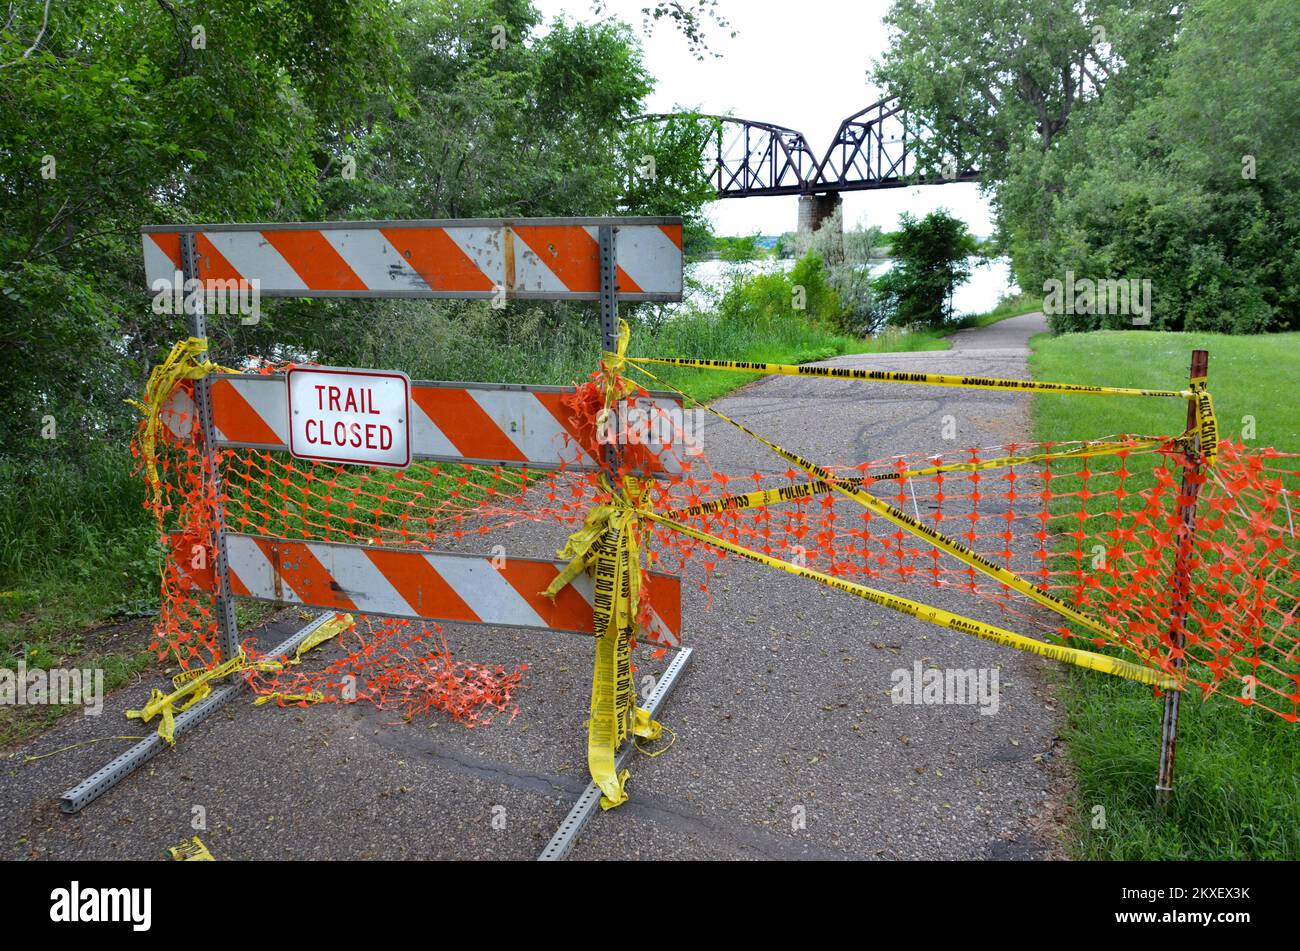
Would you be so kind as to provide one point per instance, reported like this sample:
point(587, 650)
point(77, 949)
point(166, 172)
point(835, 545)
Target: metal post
point(108, 776)
point(566, 837)
point(609, 332)
point(608, 287)
point(227, 628)
point(1182, 577)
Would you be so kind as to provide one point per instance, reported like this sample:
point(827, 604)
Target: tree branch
point(45, 20)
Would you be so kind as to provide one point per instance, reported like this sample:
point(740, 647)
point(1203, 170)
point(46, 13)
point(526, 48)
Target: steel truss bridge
point(873, 148)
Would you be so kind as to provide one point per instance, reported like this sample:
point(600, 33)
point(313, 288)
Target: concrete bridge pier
point(815, 209)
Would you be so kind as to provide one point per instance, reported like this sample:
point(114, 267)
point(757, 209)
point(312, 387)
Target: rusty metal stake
point(1191, 485)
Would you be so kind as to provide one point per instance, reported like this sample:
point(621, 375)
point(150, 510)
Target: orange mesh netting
point(1099, 525)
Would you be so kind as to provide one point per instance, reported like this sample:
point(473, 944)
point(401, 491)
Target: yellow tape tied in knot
point(617, 387)
point(188, 360)
point(607, 548)
point(1207, 424)
point(191, 851)
point(189, 687)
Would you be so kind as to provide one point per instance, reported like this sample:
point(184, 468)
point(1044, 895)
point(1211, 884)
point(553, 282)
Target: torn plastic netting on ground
point(1101, 533)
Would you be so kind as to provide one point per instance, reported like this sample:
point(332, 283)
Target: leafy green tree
point(737, 249)
point(997, 83)
point(1140, 141)
point(764, 299)
point(930, 261)
point(691, 18)
point(116, 114)
point(987, 78)
point(500, 118)
point(1195, 191)
point(847, 254)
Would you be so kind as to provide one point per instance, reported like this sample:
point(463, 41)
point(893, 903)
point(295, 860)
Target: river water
point(989, 282)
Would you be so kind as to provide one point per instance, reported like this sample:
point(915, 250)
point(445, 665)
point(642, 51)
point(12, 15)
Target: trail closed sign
point(361, 417)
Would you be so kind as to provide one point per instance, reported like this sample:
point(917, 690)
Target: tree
point(1196, 190)
point(847, 254)
point(501, 119)
point(737, 249)
point(930, 262)
point(690, 17)
point(116, 114)
point(996, 84)
point(986, 78)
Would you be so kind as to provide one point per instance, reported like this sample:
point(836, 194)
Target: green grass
point(76, 551)
point(1237, 783)
point(1249, 376)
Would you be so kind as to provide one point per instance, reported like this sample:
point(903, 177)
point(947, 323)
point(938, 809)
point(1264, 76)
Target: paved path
point(784, 712)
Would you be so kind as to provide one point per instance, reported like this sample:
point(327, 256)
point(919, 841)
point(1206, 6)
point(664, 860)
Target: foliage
point(1136, 140)
point(987, 79)
point(1195, 190)
point(804, 291)
point(930, 257)
point(690, 17)
point(848, 254)
point(754, 321)
point(739, 248)
point(113, 119)
point(121, 115)
point(220, 110)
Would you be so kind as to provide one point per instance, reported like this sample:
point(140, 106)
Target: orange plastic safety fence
point(1102, 532)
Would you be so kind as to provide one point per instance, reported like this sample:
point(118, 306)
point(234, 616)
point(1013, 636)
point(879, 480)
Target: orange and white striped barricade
point(515, 259)
point(414, 584)
point(577, 259)
point(474, 423)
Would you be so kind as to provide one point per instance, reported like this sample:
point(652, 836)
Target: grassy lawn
point(1237, 785)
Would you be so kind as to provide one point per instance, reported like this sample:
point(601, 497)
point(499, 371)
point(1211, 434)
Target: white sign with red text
point(362, 417)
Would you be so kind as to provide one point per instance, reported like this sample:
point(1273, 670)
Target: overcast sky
point(801, 64)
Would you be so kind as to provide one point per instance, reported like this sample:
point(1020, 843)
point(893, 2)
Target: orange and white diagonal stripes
point(435, 586)
point(538, 259)
point(456, 422)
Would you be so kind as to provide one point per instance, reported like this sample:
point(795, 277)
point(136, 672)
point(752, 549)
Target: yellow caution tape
point(895, 376)
point(313, 696)
point(191, 851)
point(330, 629)
point(606, 547)
point(182, 363)
point(925, 612)
point(74, 746)
point(1207, 424)
point(192, 686)
point(672, 740)
point(611, 367)
point(939, 540)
